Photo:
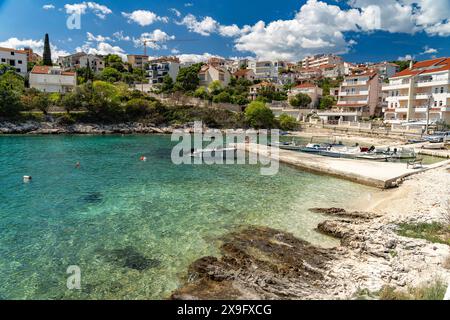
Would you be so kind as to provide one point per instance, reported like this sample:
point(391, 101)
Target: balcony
point(397, 98)
point(353, 94)
point(396, 86)
point(344, 102)
point(354, 83)
point(432, 82)
point(343, 113)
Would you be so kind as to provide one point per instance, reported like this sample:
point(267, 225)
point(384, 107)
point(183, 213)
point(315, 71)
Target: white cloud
point(102, 48)
point(189, 4)
point(319, 27)
point(36, 45)
point(98, 38)
point(48, 7)
point(406, 58)
point(99, 10)
point(155, 39)
point(428, 50)
point(195, 58)
point(204, 27)
point(229, 31)
point(175, 12)
point(120, 36)
point(144, 18)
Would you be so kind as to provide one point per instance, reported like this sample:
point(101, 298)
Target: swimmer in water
point(77, 165)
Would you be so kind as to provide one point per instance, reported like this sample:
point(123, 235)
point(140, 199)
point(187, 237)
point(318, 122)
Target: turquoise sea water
point(134, 227)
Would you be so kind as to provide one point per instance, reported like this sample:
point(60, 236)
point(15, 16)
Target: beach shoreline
point(372, 255)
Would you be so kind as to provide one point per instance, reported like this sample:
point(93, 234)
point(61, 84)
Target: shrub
point(223, 97)
point(300, 100)
point(259, 116)
point(287, 122)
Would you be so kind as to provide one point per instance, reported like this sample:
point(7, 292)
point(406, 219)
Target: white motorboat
point(434, 146)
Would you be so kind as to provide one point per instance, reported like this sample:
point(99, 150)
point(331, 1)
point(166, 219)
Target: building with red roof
point(52, 79)
point(16, 59)
point(311, 90)
point(419, 92)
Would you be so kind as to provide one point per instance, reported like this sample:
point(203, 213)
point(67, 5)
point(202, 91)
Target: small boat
point(293, 146)
point(434, 146)
point(415, 141)
point(341, 152)
point(397, 153)
point(227, 153)
point(374, 157)
point(314, 148)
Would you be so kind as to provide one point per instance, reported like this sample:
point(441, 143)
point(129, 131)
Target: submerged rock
point(130, 258)
point(259, 263)
point(93, 198)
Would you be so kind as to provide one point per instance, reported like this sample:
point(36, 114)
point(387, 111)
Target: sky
point(359, 30)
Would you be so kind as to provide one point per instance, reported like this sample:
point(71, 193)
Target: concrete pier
point(382, 175)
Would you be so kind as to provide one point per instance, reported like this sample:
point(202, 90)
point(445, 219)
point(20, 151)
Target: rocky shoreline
point(262, 263)
point(48, 128)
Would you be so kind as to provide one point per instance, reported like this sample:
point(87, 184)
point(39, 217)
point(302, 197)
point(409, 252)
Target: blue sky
point(360, 30)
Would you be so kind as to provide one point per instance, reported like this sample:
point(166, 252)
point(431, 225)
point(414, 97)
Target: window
point(18, 70)
point(19, 61)
point(3, 60)
point(13, 53)
point(435, 103)
point(440, 103)
point(436, 90)
point(442, 89)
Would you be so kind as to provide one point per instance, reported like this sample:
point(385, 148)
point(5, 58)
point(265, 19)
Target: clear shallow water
point(116, 208)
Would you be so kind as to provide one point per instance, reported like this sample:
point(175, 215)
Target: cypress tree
point(47, 57)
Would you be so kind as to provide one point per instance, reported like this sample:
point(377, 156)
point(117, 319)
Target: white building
point(210, 74)
point(423, 88)
point(16, 59)
point(159, 68)
point(313, 91)
point(319, 60)
point(359, 96)
point(52, 79)
point(81, 60)
point(386, 69)
point(267, 70)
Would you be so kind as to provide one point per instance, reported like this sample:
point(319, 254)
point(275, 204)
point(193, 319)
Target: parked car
point(438, 137)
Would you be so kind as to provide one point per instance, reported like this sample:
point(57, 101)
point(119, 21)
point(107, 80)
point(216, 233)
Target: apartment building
point(209, 73)
point(386, 69)
point(217, 62)
point(267, 70)
point(359, 96)
point(52, 79)
point(246, 74)
point(332, 71)
point(254, 91)
point(319, 60)
point(32, 56)
point(159, 68)
point(137, 61)
point(16, 59)
point(312, 90)
point(420, 90)
point(82, 60)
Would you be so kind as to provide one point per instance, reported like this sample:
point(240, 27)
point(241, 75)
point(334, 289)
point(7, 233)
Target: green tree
point(287, 122)
point(110, 74)
point(259, 116)
point(201, 93)
point(11, 90)
point(187, 79)
point(47, 56)
point(326, 102)
point(215, 87)
point(223, 97)
point(300, 100)
point(72, 101)
point(167, 84)
point(115, 61)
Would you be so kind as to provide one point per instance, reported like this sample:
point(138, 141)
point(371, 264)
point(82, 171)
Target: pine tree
point(47, 57)
point(89, 74)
